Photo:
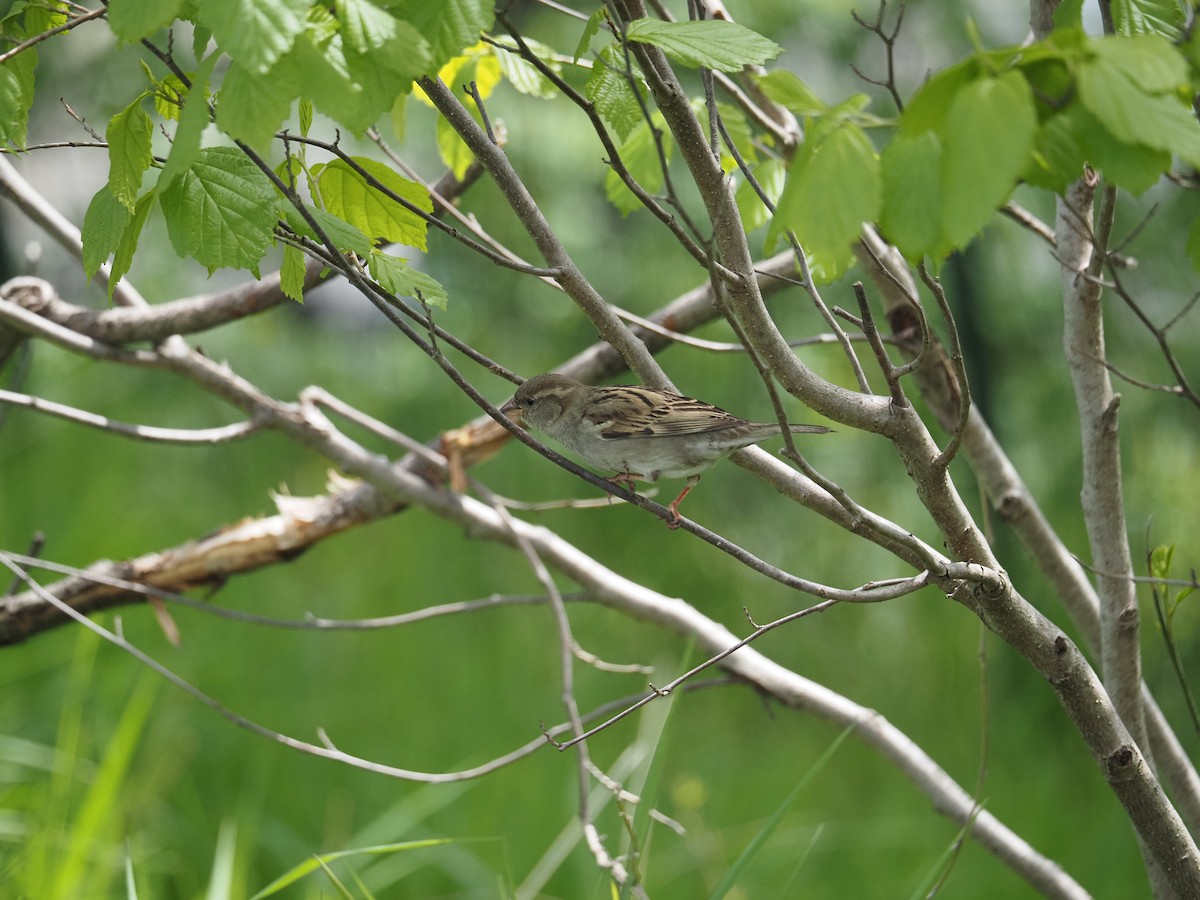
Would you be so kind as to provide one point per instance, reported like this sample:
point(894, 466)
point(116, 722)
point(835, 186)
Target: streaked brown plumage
point(638, 432)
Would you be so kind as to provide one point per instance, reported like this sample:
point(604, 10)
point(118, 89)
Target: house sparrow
point(637, 432)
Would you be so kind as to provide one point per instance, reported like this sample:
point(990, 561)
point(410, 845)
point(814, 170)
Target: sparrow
point(640, 433)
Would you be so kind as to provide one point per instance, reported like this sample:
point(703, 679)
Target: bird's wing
point(626, 411)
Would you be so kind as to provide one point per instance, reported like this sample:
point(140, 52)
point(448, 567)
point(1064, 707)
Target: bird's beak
point(513, 411)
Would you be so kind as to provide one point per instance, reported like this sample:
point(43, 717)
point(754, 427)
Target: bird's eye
point(529, 401)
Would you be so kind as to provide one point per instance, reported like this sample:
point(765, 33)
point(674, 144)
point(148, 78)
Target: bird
point(640, 433)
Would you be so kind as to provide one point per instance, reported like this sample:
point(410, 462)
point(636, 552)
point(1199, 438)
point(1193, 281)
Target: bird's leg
point(673, 509)
point(624, 479)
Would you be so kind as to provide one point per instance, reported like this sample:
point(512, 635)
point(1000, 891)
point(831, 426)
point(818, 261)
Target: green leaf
point(590, 30)
point(291, 273)
point(454, 152)
point(375, 42)
point(523, 75)
point(987, 135)
point(254, 33)
point(640, 156)
point(609, 89)
point(193, 119)
point(714, 44)
point(132, 20)
point(127, 246)
point(320, 73)
point(251, 107)
point(346, 238)
point(379, 85)
point(1161, 17)
point(103, 225)
point(350, 197)
point(128, 135)
point(1134, 167)
point(1057, 158)
point(1149, 61)
point(1069, 14)
point(305, 116)
point(16, 100)
point(40, 17)
point(770, 175)
point(789, 91)
point(833, 187)
point(221, 211)
point(365, 26)
point(927, 109)
point(396, 276)
point(912, 194)
point(739, 131)
point(1161, 121)
point(450, 26)
point(169, 95)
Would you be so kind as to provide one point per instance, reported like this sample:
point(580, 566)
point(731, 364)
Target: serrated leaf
point(201, 38)
point(912, 194)
point(255, 33)
point(524, 75)
point(1135, 167)
point(320, 73)
point(132, 20)
point(609, 89)
point(221, 211)
point(832, 188)
point(450, 26)
point(251, 107)
point(350, 197)
point(128, 136)
point(927, 108)
point(770, 175)
point(378, 84)
point(1161, 121)
point(640, 156)
point(987, 135)
point(16, 96)
point(41, 17)
point(396, 276)
point(1149, 61)
point(476, 64)
point(590, 30)
point(786, 89)
point(291, 273)
point(713, 44)
point(345, 237)
point(1057, 158)
point(168, 97)
point(365, 26)
point(127, 245)
point(1161, 17)
point(103, 225)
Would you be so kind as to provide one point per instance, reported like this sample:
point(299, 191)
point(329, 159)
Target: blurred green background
point(101, 762)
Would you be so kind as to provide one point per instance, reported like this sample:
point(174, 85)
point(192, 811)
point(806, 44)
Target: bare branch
point(220, 435)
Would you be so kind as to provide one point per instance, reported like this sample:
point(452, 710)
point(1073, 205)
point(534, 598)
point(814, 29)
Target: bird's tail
point(809, 429)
